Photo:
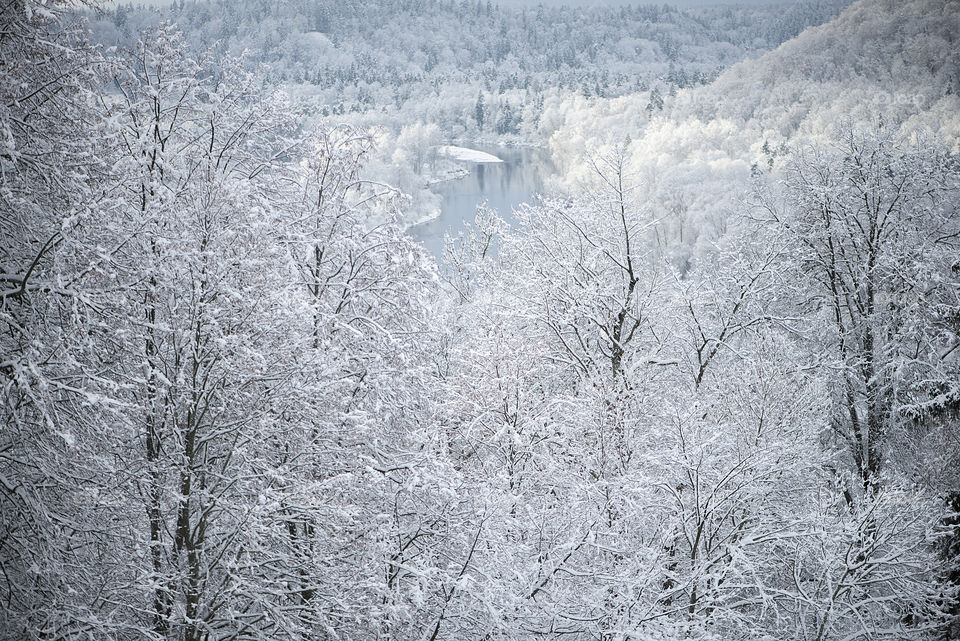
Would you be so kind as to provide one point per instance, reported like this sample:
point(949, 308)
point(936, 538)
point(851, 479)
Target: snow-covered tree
point(872, 219)
point(54, 416)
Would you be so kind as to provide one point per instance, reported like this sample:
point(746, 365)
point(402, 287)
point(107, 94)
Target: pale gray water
point(518, 179)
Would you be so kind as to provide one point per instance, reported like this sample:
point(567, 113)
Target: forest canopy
point(706, 387)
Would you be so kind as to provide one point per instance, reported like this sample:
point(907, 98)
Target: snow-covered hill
point(899, 60)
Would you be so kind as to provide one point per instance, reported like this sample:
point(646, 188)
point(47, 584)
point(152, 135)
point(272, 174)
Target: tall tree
point(872, 218)
point(202, 317)
point(53, 418)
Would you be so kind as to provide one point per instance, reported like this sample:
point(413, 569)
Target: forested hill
point(424, 71)
point(894, 64)
point(890, 58)
point(878, 58)
point(382, 47)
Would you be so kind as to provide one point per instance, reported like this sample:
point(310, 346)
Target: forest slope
point(893, 59)
point(698, 155)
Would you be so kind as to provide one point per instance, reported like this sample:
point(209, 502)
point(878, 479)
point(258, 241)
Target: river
point(517, 180)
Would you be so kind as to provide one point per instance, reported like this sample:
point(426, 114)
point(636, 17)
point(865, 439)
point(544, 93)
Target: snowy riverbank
point(465, 154)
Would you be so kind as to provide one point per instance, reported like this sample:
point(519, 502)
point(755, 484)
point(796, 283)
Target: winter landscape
point(457, 320)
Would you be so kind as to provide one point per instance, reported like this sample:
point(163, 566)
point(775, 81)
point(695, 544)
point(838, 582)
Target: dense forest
point(419, 72)
point(356, 54)
point(705, 388)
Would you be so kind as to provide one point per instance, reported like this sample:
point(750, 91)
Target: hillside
point(879, 58)
point(697, 158)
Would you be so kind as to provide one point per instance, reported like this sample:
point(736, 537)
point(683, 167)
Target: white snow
point(465, 154)
point(432, 214)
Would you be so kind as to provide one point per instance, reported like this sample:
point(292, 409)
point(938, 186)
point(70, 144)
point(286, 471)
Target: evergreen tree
point(479, 111)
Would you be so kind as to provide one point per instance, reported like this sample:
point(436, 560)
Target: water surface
point(516, 180)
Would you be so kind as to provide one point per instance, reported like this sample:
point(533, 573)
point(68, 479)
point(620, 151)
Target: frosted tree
point(871, 218)
point(202, 314)
point(55, 394)
point(417, 145)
